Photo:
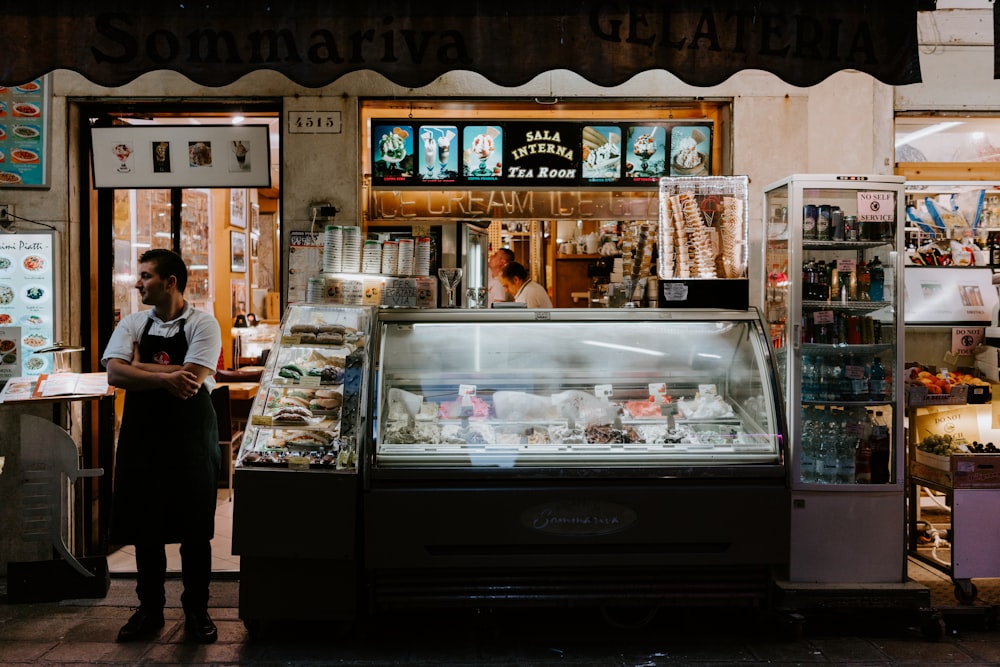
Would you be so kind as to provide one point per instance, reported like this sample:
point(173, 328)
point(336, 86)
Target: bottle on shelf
point(881, 450)
point(809, 214)
point(876, 280)
point(863, 451)
point(845, 448)
point(876, 383)
point(864, 282)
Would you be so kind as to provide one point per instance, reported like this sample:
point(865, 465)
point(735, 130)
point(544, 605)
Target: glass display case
point(575, 390)
point(311, 403)
point(574, 456)
point(300, 450)
point(832, 304)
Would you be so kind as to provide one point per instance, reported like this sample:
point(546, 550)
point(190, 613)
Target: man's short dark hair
point(507, 252)
point(515, 270)
point(167, 263)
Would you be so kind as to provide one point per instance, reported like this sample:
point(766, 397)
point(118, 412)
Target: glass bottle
point(863, 451)
point(864, 282)
point(876, 383)
point(876, 280)
point(881, 450)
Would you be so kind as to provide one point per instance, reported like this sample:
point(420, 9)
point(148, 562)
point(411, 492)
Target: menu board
point(27, 296)
point(538, 153)
point(24, 122)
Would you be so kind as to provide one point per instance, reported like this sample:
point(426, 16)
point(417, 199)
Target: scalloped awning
point(314, 43)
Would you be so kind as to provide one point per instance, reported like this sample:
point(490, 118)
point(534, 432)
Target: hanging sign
point(702, 42)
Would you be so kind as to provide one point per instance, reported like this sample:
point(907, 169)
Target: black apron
point(168, 459)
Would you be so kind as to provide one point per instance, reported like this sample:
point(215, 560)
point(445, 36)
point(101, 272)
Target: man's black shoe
point(143, 625)
point(199, 626)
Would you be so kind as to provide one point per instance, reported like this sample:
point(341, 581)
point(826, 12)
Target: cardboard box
point(964, 471)
point(919, 396)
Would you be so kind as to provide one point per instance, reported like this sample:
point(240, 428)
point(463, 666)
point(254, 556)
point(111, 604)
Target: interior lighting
point(624, 348)
point(925, 132)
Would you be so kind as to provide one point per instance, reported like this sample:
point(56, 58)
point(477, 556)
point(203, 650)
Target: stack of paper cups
point(404, 263)
point(351, 255)
point(333, 242)
point(316, 290)
point(371, 258)
point(422, 257)
point(390, 253)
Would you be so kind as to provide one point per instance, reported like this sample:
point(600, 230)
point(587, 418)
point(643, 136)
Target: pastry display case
point(545, 450)
point(300, 450)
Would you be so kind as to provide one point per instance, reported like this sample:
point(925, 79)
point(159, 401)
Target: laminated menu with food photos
point(27, 298)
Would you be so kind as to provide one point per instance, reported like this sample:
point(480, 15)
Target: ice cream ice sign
point(876, 206)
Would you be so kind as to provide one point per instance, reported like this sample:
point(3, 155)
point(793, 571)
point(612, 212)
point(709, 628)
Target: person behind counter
point(168, 458)
point(497, 261)
point(514, 279)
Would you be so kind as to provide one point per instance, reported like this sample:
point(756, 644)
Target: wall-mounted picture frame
point(25, 131)
point(184, 156)
point(238, 207)
point(238, 296)
point(238, 252)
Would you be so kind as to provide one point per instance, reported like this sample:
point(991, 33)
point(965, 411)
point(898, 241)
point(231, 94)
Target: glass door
point(144, 219)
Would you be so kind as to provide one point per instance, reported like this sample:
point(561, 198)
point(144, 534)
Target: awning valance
point(315, 42)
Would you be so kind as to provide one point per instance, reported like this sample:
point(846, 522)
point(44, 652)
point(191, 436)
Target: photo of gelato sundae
point(649, 150)
point(481, 152)
point(689, 149)
point(393, 152)
point(602, 155)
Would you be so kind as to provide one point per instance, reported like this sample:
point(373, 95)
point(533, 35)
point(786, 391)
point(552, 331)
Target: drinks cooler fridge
point(833, 299)
point(514, 457)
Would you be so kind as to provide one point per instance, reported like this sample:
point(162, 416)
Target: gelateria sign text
point(315, 42)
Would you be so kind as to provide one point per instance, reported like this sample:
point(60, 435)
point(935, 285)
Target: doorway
point(230, 239)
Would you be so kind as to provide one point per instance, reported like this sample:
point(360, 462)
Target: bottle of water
point(810, 449)
point(810, 380)
point(828, 443)
point(876, 383)
point(845, 449)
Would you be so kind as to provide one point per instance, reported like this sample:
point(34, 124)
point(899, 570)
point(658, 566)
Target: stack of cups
point(351, 256)
point(371, 258)
point(316, 290)
point(333, 241)
point(404, 263)
point(422, 257)
point(390, 251)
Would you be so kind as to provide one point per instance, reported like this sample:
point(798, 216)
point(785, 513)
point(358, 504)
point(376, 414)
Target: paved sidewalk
point(82, 632)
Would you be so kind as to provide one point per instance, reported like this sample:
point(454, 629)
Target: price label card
point(823, 317)
point(261, 420)
point(854, 372)
point(847, 265)
point(657, 389)
point(314, 122)
point(310, 380)
point(603, 390)
point(466, 392)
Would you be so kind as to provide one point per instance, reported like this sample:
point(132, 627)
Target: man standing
point(168, 459)
point(515, 280)
point(499, 259)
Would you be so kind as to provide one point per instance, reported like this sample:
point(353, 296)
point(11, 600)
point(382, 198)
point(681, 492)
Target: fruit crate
point(919, 396)
point(958, 471)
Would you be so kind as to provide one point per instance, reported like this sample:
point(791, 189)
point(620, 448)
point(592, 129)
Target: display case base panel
point(574, 544)
point(572, 586)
